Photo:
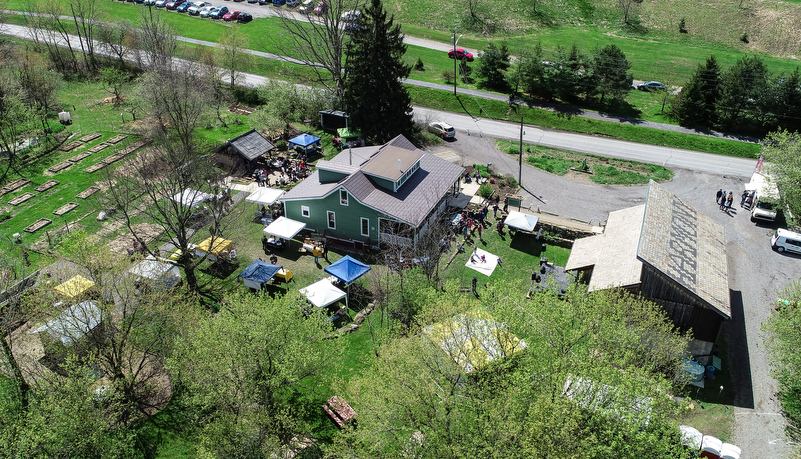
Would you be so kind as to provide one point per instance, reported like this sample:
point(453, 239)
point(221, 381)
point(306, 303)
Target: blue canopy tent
point(258, 273)
point(305, 142)
point(347, 270)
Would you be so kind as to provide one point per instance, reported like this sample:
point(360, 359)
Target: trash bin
point(710, 372)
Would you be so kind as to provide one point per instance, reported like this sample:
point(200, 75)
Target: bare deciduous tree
point(157, 41)
point(231, 53)
point(318, 42)
point(86, 13)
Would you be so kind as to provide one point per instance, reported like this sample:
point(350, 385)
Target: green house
point(373, 195)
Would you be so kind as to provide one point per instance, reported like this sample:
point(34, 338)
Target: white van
point(786, 240)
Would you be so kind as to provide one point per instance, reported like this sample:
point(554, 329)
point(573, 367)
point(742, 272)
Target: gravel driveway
point(755, 273)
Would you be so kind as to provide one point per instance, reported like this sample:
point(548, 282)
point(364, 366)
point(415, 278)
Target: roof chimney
point(399, 165)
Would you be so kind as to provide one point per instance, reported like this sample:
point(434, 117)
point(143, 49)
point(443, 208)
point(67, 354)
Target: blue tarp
point(347, 269)
point(260, 271)
point(304, 140)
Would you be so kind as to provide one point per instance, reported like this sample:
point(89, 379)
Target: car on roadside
point(351, 16)
point(306, 7)
point(253, 1)
point(442, 129)
point(174, 4)
point(460, 54)
point(231, 16)
point(194, 10)
point(184, 7)
point(160, 3)
point(651, 86)
point(292, 3)
point(205, 12)
point(244, 17)
point(320, 9)
point(139, 2)
point(350, 28)
point(149, 2)
point(218, 12)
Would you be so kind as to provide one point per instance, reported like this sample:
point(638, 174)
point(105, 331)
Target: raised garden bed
point(88, 192)
point(117, 138)
point(90, 137)
point(99, 147)
point(114, 158)
point(96, 167)
point(20, 199)
point(77, 158)
point(68, 207)
point(15, 185)
point(70, 146)
point(132, 147)
point(59, 167)
point(46, 185)
point(37, 225)
point(241, 109)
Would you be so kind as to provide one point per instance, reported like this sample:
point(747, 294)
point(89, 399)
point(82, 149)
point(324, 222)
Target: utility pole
point(520, 159)
point(454, 40)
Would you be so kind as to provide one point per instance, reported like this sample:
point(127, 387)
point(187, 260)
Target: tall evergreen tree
point(610, 71)
point(740, 86)
point(696, 103)
point(493, 65)
point(375, 98)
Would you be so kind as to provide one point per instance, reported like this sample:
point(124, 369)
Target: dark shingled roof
point(251, 145)
point(687, 246)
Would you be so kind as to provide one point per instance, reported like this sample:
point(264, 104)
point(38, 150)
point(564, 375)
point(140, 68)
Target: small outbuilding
point(73, 324)
point(156, 273)
point(251, 145)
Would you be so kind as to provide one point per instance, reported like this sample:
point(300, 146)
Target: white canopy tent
point(74, 323)
point(322, 293)
point(191, 198)
point(521, 221)
point(157, 272)
point(265, 196)
point(285, 228)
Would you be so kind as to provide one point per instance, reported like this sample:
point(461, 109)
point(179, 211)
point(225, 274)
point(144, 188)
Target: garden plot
point(37, 225)
point(15, 185)
point(20, 199)
point(90, 137)
point(46, 185)
point(66, 208)
point(59, 167)
point(117, 139)
point(99, 147)
point(88, 192)
point(70, 146)
point(79, 157)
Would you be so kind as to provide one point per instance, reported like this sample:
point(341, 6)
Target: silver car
point(194, 10)
point(206, 11)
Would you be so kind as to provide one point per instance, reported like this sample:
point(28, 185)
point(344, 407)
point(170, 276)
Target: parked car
point(253, 1)
point(194, 10)
point(231, 16)
point(279, 2)
point(442, 129)
point(139, 2)
point(460, 54)
point(174, 4)
point(265, 2)
point(306, 7)
point(184, 7)
point(351, 16)
point(149, 2)
point(651, 86)
point(350, 27)
point(160, 3)
point(292, 3)
point(244, 17)
point(205, 12)
point(320, 8)
point(219, 12)
point(786, 240)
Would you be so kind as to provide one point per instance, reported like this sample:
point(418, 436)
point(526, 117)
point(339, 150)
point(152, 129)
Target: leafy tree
point(231, 52)
point(492, 66)
point(782, 150)
point(250, 368)
point(783, 339)
point(114, 79)
point(375, 98)
point(740, 86)
point(528, 76)
point(696, 104)
point(786, 101)
point(610, 73)
point(287, 103)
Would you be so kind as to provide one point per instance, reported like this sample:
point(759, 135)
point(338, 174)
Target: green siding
point(383, 183)
point(330, 176)
point(348, 218)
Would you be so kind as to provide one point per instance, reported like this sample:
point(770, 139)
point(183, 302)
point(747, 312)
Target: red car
point(174, 4)
point(460, 54)
point(232, 16)
point(320, 8)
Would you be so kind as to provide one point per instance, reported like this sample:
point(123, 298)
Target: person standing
point(325, 249)
point(729, 200)
point(480, 227)
point(718, 195)
point(495, 210)
point(742, 200)
point(499, 262)
point(475, 284)
point(506, 204)
point(723, 201)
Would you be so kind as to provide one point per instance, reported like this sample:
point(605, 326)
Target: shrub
point(419, 65)
point(744, 38)
point(485, 191)
point(682, 25)
point(448, 76)
point(483, 170)
point(281, 145)
point(5, 215)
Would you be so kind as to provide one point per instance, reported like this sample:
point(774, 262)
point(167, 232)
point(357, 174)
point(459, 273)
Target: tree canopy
point(375, 98)
point(782, 150)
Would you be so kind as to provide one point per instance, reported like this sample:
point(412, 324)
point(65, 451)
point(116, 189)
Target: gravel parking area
point(756, 273)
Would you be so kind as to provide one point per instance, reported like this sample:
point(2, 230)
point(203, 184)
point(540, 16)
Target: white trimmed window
point(365, 227)
point(304, 211)
point(332, 220)
point(343, 197)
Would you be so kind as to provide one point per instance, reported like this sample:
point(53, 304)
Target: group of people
point(726, 198)
point(291, 171)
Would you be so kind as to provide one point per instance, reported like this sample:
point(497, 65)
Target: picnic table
point(339, 411)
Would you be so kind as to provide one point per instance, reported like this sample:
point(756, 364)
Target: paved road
point(671, 157)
